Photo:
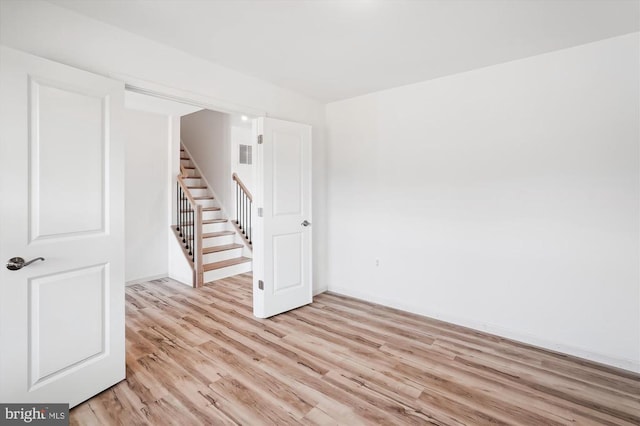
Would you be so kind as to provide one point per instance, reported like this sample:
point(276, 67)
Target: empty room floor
point(200, 357)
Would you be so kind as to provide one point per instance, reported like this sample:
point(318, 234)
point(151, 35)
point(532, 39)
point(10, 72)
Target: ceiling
point(332, 50)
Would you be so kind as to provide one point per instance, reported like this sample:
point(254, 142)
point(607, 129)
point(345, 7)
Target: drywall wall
point(242, 135)
point(146, 195)
point(205, 134)
point(505, 199)
point(55, 33)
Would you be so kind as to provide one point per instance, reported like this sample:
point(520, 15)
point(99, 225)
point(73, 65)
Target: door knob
point(16, 263)
point(305, 223)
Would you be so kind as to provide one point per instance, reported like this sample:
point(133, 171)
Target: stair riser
point(214, 227)
point(198, 192)
point(212, 215)
point(221, 255)
point(185, 162)
point(217, 241)
point(229, 271)
point(193, 181)
point(209, 227)
point(191, 172)
point(207, 203)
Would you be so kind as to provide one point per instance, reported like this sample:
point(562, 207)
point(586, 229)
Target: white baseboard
point(625, 364)
point(317, 291)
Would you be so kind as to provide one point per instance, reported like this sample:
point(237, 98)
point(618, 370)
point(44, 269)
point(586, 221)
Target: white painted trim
point(625, 364)
point(190, 98)
point(320, 291)
point(145, 279)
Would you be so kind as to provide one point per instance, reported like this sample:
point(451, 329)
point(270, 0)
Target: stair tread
point(216, 249)
point(225, 263)
point(205, 209)
point(197, 187)
point(189, 167)
point(217, 234)
point(204, 197)
point(207, 222)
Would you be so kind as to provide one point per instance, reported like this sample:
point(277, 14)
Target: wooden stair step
point(189, 167)
point(204, 197)
point(204, 209)
point(210, 221)
point(225, 263)
point(216, 249)
point(217, 234)
point(197, 187)
point(207, 222)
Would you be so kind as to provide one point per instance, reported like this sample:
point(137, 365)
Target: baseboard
point(317, 291)
point(145, 279)
point(624, 364)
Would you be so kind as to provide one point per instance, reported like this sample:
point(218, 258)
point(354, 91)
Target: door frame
point(182, 96)
point(189, 98)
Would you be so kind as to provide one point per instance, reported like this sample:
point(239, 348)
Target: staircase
point(209, 240)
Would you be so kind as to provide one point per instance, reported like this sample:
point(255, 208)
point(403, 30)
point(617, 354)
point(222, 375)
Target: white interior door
point(61, 182)
point(282, 232)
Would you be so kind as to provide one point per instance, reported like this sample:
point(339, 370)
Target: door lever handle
point(305, 223)
point(16, 263)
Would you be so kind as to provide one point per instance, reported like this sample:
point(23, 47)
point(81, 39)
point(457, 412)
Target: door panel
point(287, 262)
point(287, 174)
point(58, 341)
point(62, 198)
point(69, 128)
point(282, 245)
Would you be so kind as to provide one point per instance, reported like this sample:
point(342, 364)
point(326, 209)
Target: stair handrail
point(244, 201)
point(242, 185)
point(196, 239)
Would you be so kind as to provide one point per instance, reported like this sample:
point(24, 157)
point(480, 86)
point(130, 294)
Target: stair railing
point(244, 201)
point(189, 226)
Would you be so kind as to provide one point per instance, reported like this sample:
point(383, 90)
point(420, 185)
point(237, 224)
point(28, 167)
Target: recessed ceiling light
point(244, 118)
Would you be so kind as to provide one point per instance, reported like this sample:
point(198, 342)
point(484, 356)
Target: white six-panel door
point(282, 276)
point(61, 181)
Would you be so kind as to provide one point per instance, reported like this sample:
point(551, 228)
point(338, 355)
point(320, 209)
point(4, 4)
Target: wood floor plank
point(199, 357)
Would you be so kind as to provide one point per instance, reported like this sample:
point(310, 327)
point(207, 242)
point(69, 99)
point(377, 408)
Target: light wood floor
point(199, 357)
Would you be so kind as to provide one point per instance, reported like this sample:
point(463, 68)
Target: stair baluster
point(244, 202)
point(189, 226)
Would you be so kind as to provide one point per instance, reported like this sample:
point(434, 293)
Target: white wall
point(505, 199)
point(146, 195)
point(242, 135)
point(206, 135)
point(58, 34)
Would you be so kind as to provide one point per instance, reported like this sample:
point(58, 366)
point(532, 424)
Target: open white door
point(62, 198)
point(282, 212)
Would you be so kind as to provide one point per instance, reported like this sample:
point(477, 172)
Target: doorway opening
point(183, 167)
